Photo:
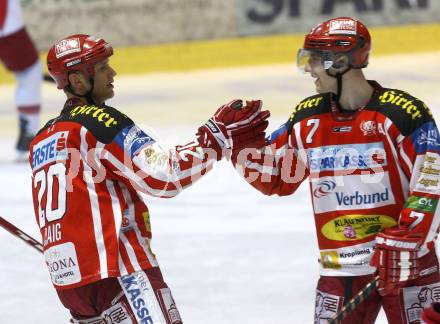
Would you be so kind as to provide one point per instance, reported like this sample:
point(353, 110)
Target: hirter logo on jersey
point(49, 150)
point(67, 46)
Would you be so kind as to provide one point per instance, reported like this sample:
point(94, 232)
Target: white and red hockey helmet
point(78, 52)
point(338, 35)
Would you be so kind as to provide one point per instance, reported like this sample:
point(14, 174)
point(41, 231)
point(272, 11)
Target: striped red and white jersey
point(91, 168)
point(374, 168)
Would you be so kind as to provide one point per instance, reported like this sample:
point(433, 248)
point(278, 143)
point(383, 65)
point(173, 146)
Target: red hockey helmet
point(338, 35)
point(76, 53)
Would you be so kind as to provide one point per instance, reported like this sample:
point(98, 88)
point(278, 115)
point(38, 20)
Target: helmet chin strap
point(87, 95)
point(338, 77)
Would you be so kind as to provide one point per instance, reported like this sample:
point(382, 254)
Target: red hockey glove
point(235, 126)
point(395, 257)
point(431, 315)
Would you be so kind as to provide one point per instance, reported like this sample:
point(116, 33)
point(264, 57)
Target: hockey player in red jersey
point(372, 158)
point(91, 168)
point(19, 55)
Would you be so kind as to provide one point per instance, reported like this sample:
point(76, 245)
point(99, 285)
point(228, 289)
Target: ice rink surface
point(229, 254)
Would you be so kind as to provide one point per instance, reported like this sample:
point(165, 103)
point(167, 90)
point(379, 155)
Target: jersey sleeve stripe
point(132, 258)
point(405, 158)
point(139, 240)
point(124, 255)
point(263, 169)
point(142, 241)
point(141, 184)
point(168, 174)
point(297, 130)
point(117, 216)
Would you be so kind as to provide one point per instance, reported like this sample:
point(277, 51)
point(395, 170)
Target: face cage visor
point(314, 60)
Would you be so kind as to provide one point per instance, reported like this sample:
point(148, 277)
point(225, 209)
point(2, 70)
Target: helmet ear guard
point(341, 63)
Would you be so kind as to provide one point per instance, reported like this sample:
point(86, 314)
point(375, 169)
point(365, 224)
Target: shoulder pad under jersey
point(308, 107)
point(103, 122)
point(405, 111)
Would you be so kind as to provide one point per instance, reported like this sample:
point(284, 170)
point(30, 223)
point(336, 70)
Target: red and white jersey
point(374, 168)
point(91, 167)
point(11, 19)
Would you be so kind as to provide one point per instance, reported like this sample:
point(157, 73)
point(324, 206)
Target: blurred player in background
point(92, 166)
point(19, 55)
point(372, 157)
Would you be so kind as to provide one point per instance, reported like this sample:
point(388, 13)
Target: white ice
point(229, 254)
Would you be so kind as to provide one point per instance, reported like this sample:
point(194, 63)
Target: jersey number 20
point(51, 182)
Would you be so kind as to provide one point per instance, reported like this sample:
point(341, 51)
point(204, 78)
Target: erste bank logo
point(52, 148)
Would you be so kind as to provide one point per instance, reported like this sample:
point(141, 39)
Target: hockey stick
point(356, 300)
point(18, 232)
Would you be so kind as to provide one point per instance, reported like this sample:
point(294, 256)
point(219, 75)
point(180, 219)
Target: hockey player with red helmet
point(91, 168)
point(372, 158)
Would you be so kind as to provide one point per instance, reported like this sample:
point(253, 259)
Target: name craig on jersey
point(342, 157)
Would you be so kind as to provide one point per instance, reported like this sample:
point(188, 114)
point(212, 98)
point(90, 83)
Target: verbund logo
point(349, 193)
point(324, 188)
point(361, 199)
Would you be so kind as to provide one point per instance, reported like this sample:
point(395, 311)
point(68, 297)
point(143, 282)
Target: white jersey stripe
point(96, 214)
point(405, 158)
point(117, 215)
point(140, 240)
point(130, 252)
point(262, 169)
point(403, 180)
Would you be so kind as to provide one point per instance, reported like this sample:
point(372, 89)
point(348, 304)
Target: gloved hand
point(235, 126)
point(431, 315)
point(395, 257)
